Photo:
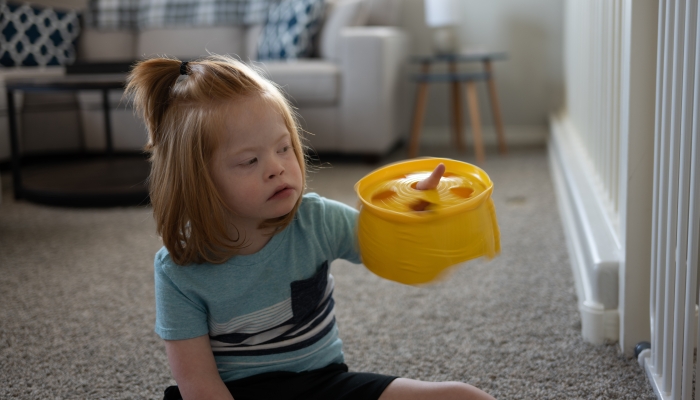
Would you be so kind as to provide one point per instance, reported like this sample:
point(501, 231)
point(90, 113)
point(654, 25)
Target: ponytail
point(149, 86)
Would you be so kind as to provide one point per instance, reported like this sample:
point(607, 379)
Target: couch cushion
point(113, 15)
point(154, 14)
point(306, 82)
point(252, 34)
point(191, 42)
point(107, 46)
point(37, 36)
point(342, 14)
point(290, 30)
point(384, 12)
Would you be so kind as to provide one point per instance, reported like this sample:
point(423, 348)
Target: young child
point(244, 298)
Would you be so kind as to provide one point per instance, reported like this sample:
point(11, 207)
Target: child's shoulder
point(164, 262)
point(163, 258)
point(313, 203)
point(311, 198)
point(310, 210)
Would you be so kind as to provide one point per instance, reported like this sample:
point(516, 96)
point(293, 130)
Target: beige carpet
point(77, 312)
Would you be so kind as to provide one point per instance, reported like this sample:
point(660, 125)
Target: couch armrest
point(372, 61)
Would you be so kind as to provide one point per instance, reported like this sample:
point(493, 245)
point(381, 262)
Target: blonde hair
point(183, 113)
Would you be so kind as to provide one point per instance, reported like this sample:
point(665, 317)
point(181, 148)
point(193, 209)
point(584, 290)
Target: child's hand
point(432, 181)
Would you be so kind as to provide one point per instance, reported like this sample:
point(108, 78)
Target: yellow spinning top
point(411, 236)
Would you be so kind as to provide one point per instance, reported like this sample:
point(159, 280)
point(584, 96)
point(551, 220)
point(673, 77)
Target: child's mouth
point(282, 193)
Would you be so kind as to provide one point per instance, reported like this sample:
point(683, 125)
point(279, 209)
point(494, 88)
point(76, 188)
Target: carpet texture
point(77, 313)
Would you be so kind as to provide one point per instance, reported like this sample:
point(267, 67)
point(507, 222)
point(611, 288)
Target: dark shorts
point(333, 382)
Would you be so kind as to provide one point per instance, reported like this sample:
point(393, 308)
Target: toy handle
point(433, 180)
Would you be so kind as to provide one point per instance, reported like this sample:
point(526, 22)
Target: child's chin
point(284, 211)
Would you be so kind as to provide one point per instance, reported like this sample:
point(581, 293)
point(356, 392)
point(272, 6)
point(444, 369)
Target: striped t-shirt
point(268, 311)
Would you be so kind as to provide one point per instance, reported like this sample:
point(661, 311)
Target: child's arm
point(193, 366)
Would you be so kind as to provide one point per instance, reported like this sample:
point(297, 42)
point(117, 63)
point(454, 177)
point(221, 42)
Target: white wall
point(530, 82)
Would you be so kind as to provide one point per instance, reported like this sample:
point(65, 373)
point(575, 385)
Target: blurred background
point(529, 79)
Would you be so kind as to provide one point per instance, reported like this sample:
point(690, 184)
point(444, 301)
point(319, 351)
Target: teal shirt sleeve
point(179, 314)
point(340, 225)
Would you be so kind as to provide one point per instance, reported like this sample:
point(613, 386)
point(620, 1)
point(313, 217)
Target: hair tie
point(183, 68)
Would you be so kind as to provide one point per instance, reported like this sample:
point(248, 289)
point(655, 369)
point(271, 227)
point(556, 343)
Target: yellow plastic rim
point(390, 191)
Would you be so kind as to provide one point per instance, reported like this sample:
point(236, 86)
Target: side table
point(80, 179)
point(454, 78)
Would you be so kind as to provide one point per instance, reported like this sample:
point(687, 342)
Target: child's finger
point(432, 181)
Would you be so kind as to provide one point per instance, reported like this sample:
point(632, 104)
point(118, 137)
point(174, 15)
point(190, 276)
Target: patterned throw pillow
point(33, 36)
point(291, 29)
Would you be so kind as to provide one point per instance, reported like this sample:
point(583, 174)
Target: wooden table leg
point(456, 110)
point(473, 103)
point(418, 113)
point(496, 108)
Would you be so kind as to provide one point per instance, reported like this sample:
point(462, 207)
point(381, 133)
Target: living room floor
point(78, 310)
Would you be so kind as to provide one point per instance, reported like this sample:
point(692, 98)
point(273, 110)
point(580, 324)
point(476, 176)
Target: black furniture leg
point(108, 124)
point(14, 143)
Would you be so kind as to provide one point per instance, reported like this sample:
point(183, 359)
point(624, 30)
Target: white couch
point(348, 98)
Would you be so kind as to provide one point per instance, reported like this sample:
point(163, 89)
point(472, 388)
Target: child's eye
point(249, 162)
point(285, 149)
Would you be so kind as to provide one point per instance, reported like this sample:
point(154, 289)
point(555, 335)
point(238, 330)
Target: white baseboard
point(593, 244)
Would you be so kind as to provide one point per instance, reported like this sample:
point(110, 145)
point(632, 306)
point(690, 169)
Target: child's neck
point(254, 243)
point(254, 239)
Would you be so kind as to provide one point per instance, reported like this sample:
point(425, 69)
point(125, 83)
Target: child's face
point(255, 168)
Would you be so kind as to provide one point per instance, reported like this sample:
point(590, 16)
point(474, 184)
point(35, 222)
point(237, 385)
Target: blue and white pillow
point(34, 36)
point(291, 29)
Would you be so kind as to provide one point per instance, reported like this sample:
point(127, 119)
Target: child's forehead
point(250, 120)
point(251, 111)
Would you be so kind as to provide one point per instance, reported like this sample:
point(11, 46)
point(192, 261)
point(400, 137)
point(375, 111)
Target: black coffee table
point(81, 178)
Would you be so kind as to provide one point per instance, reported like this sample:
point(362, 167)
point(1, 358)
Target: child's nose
point(276, 169)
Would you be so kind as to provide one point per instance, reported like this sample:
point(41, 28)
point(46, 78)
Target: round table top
point(67, 82)
point(463, 56)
